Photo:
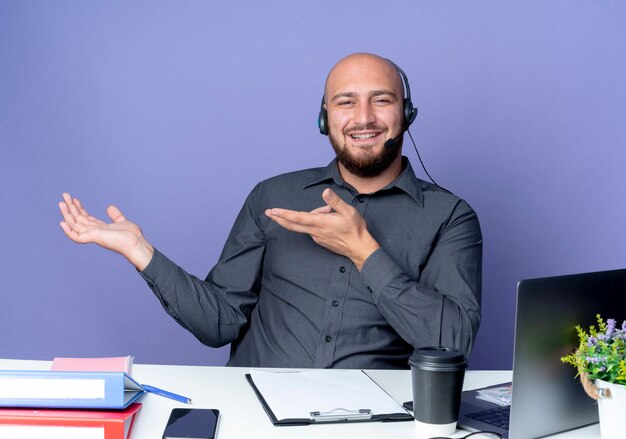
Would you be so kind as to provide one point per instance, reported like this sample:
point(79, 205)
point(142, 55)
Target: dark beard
point(366, 167)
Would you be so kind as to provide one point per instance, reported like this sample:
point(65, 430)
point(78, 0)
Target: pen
point(165, 393)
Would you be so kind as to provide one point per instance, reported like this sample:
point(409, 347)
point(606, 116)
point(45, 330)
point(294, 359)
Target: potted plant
point(601, 362)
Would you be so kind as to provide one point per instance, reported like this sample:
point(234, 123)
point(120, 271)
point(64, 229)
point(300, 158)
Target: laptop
point(546, 397)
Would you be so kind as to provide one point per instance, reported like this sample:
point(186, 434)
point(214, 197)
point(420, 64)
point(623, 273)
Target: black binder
point(335, 414)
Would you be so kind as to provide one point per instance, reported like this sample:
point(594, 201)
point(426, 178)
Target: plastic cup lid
point(438, 357)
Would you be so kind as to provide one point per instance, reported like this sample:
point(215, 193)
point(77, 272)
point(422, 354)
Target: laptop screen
point(547, 397)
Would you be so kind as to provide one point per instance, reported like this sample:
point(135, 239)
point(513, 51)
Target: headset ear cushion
point(410, 113)
point(322, 121)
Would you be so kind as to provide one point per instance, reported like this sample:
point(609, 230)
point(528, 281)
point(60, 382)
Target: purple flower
point(610, 327)
point(591, 341)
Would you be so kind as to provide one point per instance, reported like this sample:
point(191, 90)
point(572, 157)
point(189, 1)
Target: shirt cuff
point(158, 266)
point(378, 271)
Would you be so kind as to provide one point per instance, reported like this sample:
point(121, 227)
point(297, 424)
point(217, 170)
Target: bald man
point(349, 266)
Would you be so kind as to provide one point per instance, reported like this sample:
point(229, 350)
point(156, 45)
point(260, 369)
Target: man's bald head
point(363, 109)
point(358, 65)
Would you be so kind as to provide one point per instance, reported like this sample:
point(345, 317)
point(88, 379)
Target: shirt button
point(328, 338)
point(360, 199)
point(335, 303)
point(342, 269)
point(150, 284)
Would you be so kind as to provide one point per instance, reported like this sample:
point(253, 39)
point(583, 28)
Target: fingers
point(81, 209)
point(75, 212)
point(328, 217)
point(71, 226)
point(293, 216)
point(64, 206)
point(304, 221)
point(70, 201)
point(290, 224)
point(323, 209)
point(76, 222)
point(71, 233)
point(72, 209)
point(301, 222)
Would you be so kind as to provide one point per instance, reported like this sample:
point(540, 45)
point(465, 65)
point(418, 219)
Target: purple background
point(173, 110)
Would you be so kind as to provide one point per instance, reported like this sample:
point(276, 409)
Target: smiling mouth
point(364, 136)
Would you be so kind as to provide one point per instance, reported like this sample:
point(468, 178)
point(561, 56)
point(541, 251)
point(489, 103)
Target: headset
point(409, 110)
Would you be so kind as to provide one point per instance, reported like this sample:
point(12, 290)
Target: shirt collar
point(406, 181)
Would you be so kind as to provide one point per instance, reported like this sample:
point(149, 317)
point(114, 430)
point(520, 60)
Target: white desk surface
point(242, 416)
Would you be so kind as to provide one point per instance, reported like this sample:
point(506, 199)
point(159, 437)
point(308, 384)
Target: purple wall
point(174, 110)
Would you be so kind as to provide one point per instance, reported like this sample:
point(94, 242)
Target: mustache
point(368, 127)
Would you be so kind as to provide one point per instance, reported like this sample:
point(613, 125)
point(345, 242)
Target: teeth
point(363, 136)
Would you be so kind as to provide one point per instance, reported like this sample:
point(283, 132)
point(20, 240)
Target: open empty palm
point(120, 235)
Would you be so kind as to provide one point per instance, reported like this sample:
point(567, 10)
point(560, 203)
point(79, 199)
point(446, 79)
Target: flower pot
point(612, 407)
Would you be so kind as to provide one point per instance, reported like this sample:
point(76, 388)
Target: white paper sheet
point(294, 395)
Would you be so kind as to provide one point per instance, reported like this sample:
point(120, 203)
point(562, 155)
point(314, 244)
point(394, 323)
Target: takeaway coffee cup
point(437, 378)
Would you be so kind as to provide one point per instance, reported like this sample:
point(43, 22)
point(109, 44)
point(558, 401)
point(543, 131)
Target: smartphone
point(192, 424)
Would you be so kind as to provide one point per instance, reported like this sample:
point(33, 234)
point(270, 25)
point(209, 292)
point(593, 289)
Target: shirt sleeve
point(215, 309)
point(442, 306)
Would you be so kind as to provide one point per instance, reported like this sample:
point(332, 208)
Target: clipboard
point(323, 396)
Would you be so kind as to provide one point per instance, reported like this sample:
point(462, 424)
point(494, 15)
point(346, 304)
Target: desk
point(242, 416)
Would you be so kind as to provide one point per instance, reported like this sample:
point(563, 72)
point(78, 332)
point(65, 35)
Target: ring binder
point(340, 414)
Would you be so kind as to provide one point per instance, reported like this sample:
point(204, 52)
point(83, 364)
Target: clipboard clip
point(341, 414)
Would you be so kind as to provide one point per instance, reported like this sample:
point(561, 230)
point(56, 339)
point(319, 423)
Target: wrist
point(365, 252)
point(141, 255)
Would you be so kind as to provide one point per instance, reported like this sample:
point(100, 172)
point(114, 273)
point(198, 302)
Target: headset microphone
point(391, 143)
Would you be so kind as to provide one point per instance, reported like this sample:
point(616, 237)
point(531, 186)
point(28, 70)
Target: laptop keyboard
point(498, 416)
